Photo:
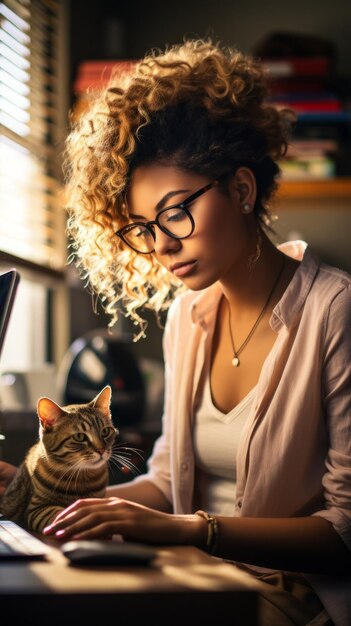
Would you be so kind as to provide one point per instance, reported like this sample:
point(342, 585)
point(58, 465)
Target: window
point(33, 112)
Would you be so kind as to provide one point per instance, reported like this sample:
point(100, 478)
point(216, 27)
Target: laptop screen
point(8, 286)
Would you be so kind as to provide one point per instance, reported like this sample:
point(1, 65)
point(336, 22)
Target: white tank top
point(216, 438)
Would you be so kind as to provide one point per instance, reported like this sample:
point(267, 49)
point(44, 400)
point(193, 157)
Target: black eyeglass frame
point(150, 225)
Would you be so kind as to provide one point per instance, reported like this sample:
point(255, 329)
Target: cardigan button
point(184, 467)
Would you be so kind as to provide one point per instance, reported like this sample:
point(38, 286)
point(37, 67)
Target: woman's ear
point(244, 189)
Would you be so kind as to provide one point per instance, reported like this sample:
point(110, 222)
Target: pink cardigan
point(294, 456)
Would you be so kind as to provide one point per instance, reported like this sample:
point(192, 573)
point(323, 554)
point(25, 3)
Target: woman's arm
point(305, 544)
point(308, 544)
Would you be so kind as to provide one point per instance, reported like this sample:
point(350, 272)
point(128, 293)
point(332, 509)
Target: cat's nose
point(101, 451)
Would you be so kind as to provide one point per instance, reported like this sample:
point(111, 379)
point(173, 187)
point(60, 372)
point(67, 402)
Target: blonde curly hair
point(197, 106)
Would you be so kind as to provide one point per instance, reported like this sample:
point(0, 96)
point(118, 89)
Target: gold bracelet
point(212, 530)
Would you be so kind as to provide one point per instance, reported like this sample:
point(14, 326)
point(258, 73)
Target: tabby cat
point(69, 461)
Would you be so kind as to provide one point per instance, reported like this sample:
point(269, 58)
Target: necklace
point(236, 360)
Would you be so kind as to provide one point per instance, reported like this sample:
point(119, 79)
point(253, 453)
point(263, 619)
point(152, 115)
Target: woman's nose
point(164, 244)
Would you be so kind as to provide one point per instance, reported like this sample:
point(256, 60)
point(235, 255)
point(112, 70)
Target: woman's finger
point(74, 511)
point(93, 525)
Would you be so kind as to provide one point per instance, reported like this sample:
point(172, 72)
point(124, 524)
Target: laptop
point(15, 542)
point(8, 287)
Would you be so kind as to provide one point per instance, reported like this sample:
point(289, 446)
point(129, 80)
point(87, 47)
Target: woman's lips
point(182, 269)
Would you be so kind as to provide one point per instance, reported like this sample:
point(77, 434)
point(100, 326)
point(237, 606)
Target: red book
point(95, 74)
point(310, 106)
point(298, 66)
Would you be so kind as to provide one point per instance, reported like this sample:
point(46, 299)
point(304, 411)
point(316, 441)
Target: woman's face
point(223, 237)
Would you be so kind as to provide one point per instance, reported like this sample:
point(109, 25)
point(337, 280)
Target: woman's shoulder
point(336, 289)
point(316, 289)
point(327, 280)
point(333, 283)
point(330, 295)
point(335, 275)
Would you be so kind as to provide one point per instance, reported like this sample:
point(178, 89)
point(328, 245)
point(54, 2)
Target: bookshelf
point(316, 107)
point(316, 172)
point(324, 193)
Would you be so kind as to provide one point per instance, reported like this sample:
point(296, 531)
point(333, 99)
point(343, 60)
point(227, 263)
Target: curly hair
point(197, 106)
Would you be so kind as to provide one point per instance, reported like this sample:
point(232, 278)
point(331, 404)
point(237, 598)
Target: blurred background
point(52, 53)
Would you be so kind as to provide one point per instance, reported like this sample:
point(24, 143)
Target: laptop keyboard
point(15, 542)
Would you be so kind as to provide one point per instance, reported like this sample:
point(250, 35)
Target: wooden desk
point(184, 585)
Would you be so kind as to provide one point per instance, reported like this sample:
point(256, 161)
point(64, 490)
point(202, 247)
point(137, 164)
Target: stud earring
point(246, 208)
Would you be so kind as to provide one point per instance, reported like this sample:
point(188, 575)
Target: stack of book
point(305, 85)
point(310, 158)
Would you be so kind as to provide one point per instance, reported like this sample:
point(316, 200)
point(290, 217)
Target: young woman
point(169, 179)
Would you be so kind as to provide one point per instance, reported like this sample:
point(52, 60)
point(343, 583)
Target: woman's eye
point(138, 232)
point(175, 215)
point(80, 437)
point(141, 232)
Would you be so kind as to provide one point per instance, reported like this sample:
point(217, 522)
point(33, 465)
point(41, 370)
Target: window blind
point(32, 219)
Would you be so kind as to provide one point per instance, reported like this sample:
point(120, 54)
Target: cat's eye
point(80, 437)
point(107, 431)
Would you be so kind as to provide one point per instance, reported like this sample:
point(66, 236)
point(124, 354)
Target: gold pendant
point(235, 361)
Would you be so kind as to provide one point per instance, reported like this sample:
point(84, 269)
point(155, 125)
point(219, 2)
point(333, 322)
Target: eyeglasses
point(175, 221)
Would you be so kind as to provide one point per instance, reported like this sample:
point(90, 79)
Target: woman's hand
point(101, 518)
point(7, 473)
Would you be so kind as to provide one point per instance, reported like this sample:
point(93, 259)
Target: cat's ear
point(103, 400)
point(48, 412)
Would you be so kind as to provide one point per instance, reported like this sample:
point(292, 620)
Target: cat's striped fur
point(69, 461)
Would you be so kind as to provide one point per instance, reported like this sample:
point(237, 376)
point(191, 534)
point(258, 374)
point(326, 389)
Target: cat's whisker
point(71, 473)
point(73, 477)
point(122, 462)
point(117, 447)
point(122, 466)
point(77, 474)
point(56, 481)
point(124, 445)
point(127, 452)
point(124, 454)
point(68, 476)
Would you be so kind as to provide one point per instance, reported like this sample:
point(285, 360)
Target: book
point(284, 67)
point(93, 75)
point(301, 148)
point(307, 168)
point(308, 102)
